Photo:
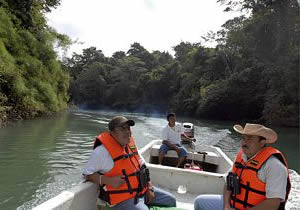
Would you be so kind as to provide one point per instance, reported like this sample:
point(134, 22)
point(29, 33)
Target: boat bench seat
point(210, 157)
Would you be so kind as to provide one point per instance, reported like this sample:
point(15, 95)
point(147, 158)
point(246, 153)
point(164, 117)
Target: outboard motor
point(189, 131)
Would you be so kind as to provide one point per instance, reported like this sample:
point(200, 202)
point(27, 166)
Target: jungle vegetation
point(32, 81)
point(251, 75)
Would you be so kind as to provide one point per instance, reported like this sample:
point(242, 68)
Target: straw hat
point(257, 130)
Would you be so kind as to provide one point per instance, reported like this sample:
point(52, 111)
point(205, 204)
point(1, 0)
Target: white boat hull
point(84, 196)
point(196, 182)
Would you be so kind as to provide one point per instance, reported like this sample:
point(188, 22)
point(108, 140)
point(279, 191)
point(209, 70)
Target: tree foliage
point(31, 79)
point(252, 74)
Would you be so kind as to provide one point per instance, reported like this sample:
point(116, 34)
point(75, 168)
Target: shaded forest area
point(251, 75)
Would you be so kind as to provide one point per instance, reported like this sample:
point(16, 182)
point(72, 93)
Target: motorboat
point(204, 171)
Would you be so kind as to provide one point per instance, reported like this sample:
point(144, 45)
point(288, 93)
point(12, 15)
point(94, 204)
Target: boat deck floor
point(183, 200)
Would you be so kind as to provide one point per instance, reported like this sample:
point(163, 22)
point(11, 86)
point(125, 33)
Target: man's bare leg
point(160, 158)
point(180, 161)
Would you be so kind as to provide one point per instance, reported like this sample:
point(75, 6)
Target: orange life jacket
point(127, 164)
point(253, 190)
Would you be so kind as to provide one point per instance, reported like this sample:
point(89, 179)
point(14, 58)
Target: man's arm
point(269, 203)
point(164, 137)
point(173, 146)
point(187, 137)
point(166, 142)
point(115, 181)
point(226, 195)
point(101, 161)
point(150, 193)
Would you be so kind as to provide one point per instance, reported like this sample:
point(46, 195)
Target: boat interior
point(205, 175)
point(185, 183)
point(204, 160)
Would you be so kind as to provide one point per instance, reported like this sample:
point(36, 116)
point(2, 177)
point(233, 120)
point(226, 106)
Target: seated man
point(171, 136)
point(119, 169)
point(259, 178)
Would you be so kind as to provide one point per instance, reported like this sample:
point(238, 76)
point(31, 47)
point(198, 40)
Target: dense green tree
point(90, 85)
point(140, 52)
point(31, 79)
point(252, 74)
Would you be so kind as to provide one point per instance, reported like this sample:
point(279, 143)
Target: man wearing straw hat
point(259, 178)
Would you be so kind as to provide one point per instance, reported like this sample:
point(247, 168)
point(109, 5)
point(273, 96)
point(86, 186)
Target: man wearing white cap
point(120, 170)
point(259, 178)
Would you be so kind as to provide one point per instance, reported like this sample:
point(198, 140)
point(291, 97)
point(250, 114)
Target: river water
point(42, 157)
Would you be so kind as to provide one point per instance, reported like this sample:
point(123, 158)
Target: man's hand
point(172, 146)
point(228, 208)
point(149, 196)
point(115, 181)
point(165, 142)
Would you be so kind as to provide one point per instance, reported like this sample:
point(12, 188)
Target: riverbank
point(7, 119)
point(13, 117)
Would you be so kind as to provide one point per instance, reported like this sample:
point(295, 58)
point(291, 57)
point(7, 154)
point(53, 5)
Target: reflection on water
point(42, 157)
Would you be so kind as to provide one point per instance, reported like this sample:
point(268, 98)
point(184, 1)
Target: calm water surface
point(42, 157)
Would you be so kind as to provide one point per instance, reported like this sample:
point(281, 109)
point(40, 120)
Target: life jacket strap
point(121, 191)
point(127, 181)
point(125, 156)
point(248, 188)
point(236, 200)
point(240, 165)
point(105, 194)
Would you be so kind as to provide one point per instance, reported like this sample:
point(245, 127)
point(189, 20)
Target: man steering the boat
point(171, 136)
point(259, 178)
point(116, 165)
